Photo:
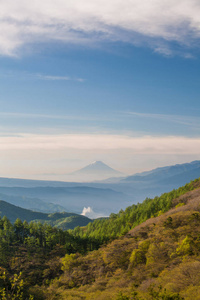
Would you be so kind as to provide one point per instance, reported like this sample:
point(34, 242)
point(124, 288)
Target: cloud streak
point(138, 145)
point(156, 23)
point(19, 115)
point(25, 75)
point(57, 78)
point(183, 120)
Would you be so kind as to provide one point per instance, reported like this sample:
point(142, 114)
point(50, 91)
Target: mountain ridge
point(164, 172)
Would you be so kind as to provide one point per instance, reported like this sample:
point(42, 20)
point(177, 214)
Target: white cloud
point(97, 142)
point(135, 21)
point(88, 212)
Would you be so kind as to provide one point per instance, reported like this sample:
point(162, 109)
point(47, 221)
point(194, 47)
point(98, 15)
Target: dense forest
point(114, 258)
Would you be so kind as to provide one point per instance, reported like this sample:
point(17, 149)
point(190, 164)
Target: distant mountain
point(182, 178)
point(154, 182)
point(61, 220)
point(167, 172)
point(95, 171)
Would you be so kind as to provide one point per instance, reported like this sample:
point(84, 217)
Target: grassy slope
point(162, 251)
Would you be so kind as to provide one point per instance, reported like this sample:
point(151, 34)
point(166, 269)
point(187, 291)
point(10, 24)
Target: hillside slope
point(158, 259)
point(61, 220)
point(119, 224)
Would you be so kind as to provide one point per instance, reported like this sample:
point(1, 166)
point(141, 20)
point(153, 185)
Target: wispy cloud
point(39, 76)
point(183, 120)
point(134, 21)
point(127, 123)
point(56, 78)
point(46, 116)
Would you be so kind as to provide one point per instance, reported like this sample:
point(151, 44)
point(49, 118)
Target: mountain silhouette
point(95, 171)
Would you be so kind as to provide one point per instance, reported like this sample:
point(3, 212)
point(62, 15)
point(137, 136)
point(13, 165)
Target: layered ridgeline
point(102, 198)
point(157, 259)
point(74, 199)
point(62, 220)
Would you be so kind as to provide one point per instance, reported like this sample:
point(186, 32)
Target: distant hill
point(34, 204)
point(62, 220)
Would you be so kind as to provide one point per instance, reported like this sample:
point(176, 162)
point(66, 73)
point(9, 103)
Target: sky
point(80, 81)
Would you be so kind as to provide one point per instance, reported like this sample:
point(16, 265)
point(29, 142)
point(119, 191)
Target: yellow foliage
point(137, 257)
point(184, 247)
point(68, 261)
point(179, 205)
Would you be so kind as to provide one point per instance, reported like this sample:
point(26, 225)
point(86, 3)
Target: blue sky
point(123, 76)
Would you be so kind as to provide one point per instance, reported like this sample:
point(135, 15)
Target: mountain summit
point(98, 166)
point(97, 170)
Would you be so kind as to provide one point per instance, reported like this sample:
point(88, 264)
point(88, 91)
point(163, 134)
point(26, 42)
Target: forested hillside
point(62, 220)
point(157, 259)
point(119, 224)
